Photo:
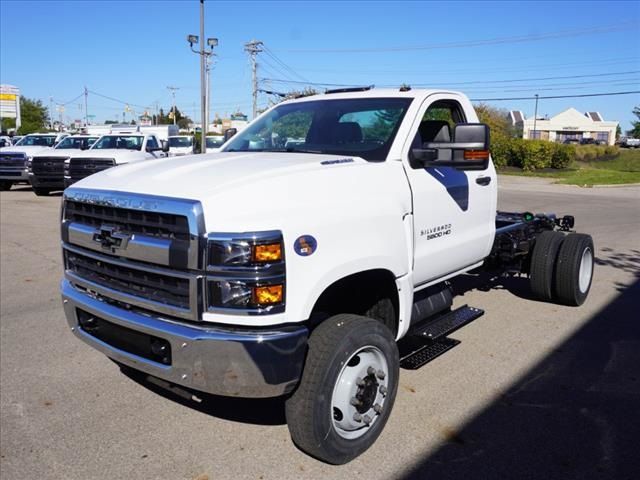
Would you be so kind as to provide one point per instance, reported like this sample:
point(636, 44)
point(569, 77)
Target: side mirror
point(469, 149)
point(230, 132)
point(165, 146)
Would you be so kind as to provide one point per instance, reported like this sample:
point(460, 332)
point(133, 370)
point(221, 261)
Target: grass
point(622, 169)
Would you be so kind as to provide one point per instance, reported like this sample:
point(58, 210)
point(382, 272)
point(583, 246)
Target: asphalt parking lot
point(533, 390)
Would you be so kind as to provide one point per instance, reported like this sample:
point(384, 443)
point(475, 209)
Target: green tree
point(497, 119)
point(635, 131)
point(34, 116)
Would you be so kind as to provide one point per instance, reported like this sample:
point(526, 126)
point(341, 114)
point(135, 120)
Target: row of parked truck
point(53, 161)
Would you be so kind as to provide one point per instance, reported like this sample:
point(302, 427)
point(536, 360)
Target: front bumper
point(14, 174)
point(42, 181)
point(212, 359)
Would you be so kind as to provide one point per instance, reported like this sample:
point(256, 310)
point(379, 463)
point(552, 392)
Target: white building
point(567, 125)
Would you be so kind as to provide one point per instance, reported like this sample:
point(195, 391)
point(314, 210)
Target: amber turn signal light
point(476, 154)
point(271, 252)
point(268, 294)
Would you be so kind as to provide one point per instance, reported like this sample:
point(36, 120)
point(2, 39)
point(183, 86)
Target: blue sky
point(133, 50)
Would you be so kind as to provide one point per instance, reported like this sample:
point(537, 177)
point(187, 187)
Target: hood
point(30, 150)
point(119, 154)
point(62, 153)
point(203, 176)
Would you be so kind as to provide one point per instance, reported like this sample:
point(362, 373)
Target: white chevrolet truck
point(310, 270)
point(14, 160)
point(116, 148)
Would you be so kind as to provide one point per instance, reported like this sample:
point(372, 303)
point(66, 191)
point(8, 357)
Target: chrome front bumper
point(220, 361)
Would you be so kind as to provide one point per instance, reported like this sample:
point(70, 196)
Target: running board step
point(425, 352)
point(448, 323)
point(430, 341)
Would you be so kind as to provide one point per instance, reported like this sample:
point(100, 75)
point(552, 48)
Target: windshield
point(180, 141)
point(214, 142)
point(128, 142)
point(364, 127)
point(76, 143)
point(38, 140)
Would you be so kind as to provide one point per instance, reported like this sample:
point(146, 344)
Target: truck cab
point(180, 145)
point(306, 268)
point(116, 148)
point(13, 159)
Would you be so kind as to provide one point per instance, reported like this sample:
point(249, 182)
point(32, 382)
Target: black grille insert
point(125, 339)
point(83, 167)
point(13, 160)
point(161, 225)
point(157, 287)
point(48, 166)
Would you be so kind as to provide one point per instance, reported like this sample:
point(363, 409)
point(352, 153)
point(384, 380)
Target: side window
point(152, 143)
point(438, 122)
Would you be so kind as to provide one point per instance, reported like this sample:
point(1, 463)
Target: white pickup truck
point(14, 159)
point(313, 271)
point(111, 150)
point(46, 169)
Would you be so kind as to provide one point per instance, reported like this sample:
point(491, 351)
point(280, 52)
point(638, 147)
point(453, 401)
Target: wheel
point(347, 389)
point(543, 262)
point(41, 192)
point(574, 269)
point(5, 185)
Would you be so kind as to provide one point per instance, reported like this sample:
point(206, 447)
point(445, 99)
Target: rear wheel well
point(372, 293)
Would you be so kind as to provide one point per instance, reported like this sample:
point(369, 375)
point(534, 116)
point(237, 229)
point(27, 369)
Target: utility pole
point(173, 108)
point(535, 116)
point(86, 112)
point(253, 48)
point(51, 112)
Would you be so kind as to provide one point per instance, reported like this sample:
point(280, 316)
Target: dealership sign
point(10, 103)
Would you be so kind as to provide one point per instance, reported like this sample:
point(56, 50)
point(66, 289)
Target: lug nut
point(377, 408)
point(366, 419)
point(380, 374)
point(383, 390)
point(371, 371)
point(357, 417)
point(355, 402)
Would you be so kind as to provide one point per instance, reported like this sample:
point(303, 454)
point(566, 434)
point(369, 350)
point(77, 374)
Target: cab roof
point(376, 93)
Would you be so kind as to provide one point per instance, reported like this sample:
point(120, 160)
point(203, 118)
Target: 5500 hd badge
point(436, 232)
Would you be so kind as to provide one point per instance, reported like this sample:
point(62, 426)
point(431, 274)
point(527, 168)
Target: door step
point(429, 341)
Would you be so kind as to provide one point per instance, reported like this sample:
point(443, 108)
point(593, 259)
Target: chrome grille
point(135, 249)
point(164, 289)
point(159, 225)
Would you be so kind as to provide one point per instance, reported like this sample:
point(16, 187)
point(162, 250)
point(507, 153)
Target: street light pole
point(203, 86)
point(204, 94)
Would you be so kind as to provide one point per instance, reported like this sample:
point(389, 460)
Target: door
point(453, 209)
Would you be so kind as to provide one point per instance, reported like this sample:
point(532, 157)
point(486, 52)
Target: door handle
point(484, 181)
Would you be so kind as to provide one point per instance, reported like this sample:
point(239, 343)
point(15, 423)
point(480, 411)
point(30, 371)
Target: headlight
point(67, 164)
point(246, 271)
point(253, 249)
point(28, 164)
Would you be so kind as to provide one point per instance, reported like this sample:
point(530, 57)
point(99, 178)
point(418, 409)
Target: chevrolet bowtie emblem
point(111, 239)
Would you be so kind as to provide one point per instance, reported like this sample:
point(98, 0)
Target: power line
point(115, 99)
point(70, 101)
point(555, 96)
point(284, 65)
point(541, 78)
point(476, 43)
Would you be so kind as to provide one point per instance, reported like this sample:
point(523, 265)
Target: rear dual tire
point(561, 268)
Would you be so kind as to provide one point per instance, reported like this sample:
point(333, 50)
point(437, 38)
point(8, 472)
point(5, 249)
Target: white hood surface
point(30, 150)
point(120, 155)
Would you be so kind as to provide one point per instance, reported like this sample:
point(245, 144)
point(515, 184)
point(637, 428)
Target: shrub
point(563, 155)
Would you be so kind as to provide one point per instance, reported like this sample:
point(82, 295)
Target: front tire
point(5, 185)
point(347, 390)
point(574, 269)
